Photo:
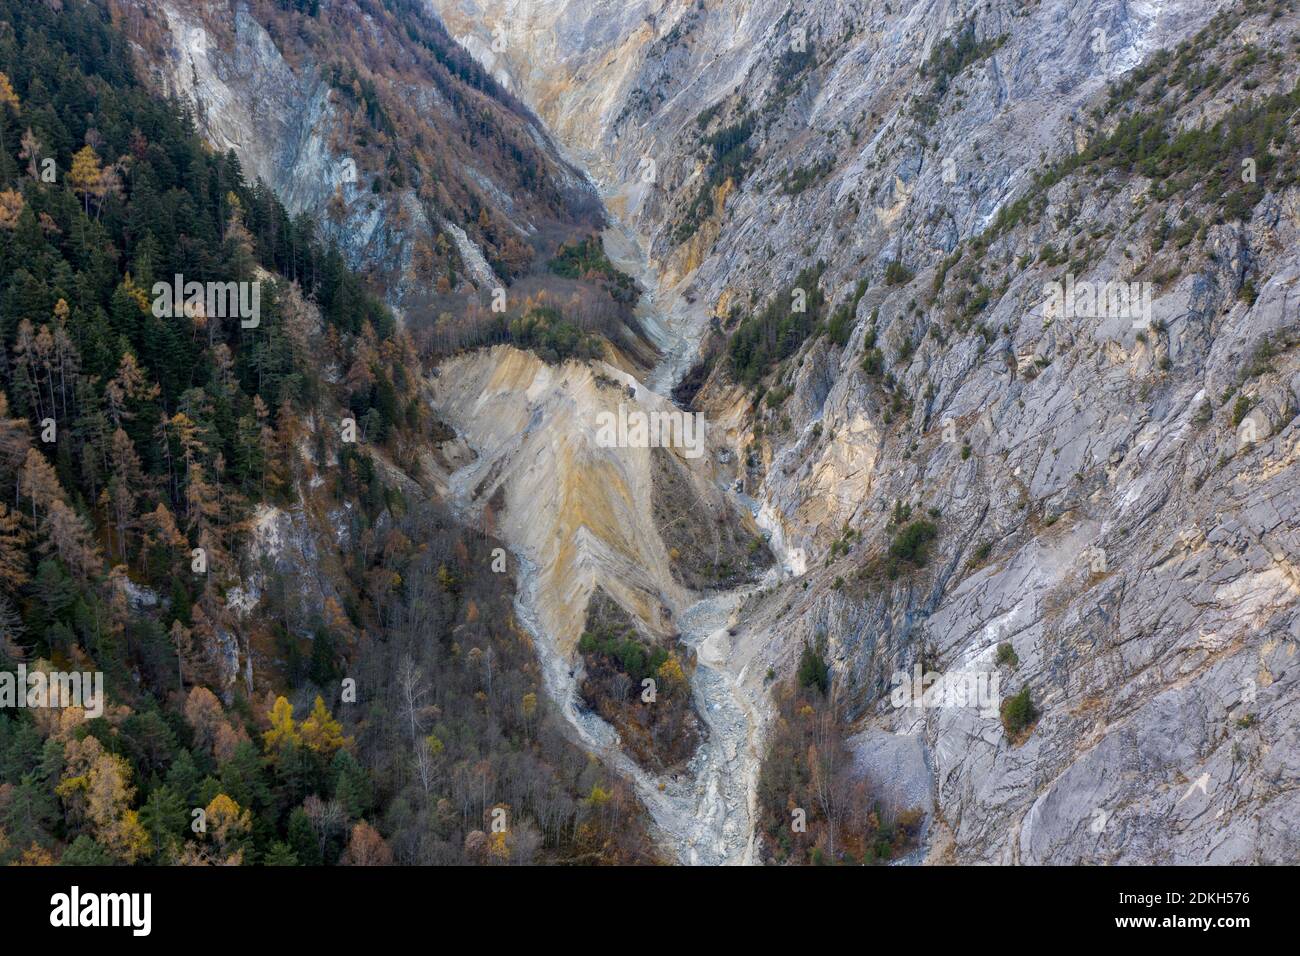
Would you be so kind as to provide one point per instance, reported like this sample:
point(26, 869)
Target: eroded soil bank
point(578, 517)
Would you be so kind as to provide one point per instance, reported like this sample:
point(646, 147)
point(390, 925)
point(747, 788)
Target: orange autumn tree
point(97, 793)
point(228, 826)
point(13, 550)
point(8, 98)
point(11, 209)
point(366, 847)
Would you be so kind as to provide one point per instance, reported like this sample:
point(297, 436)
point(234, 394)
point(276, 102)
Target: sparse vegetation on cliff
point(727, 152)
point(775, 333)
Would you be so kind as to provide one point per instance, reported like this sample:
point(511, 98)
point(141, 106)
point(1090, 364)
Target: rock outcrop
point(1115, 500)
point(328, 144)
point(1113, 492)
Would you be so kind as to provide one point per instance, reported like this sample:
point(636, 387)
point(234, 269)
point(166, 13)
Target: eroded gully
point(704, 814)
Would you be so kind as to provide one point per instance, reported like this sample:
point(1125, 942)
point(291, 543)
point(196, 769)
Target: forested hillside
point(440, 188)
point(139, 447)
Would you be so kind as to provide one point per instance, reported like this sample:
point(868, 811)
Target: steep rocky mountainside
point(847, 220)
point(368, 117)
point(1111, 500)
point(224, 513)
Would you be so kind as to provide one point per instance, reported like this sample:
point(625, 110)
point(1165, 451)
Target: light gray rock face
point(897, 767)
point(279, 122)
point(1135, 546)
point(289, 129)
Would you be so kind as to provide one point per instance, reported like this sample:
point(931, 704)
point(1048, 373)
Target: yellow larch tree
point(86, 176)
point(282, 732)
point(321, 732)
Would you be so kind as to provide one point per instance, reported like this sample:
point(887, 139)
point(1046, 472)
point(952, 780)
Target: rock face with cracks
point(275, 103)
point(1116, 503)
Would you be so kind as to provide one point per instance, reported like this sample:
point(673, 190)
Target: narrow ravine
point(668, 325)
point(703, 814)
